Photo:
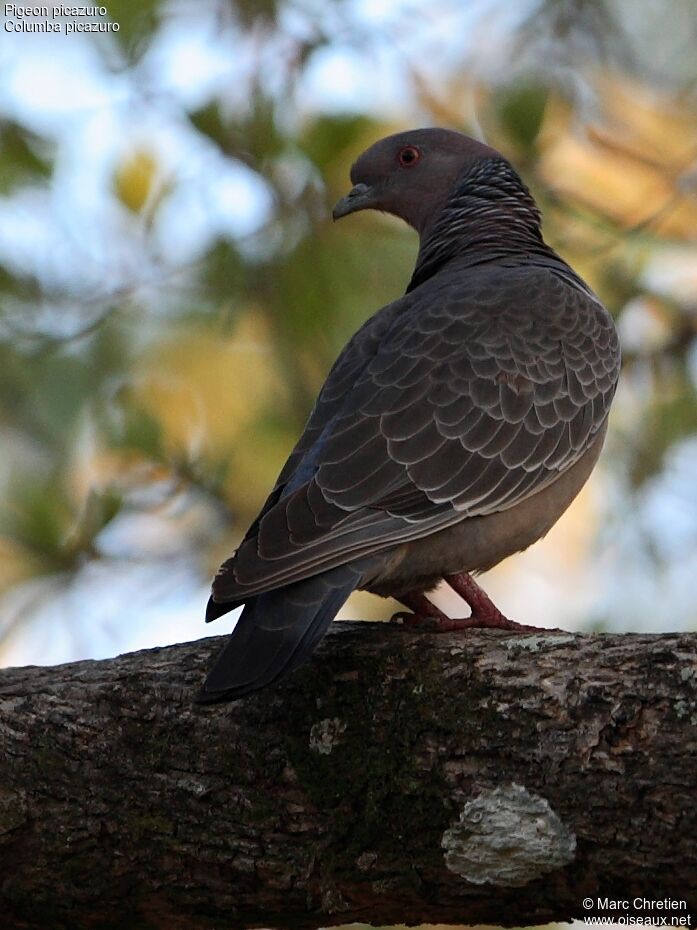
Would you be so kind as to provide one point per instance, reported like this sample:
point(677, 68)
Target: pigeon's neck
point(490, 216)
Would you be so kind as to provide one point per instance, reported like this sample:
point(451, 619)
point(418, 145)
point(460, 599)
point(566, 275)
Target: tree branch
point(400, 777)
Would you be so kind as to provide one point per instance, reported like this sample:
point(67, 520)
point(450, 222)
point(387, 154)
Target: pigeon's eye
point(408, 156)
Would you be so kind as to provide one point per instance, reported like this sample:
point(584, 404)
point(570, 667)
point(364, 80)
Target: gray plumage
point(455, 427)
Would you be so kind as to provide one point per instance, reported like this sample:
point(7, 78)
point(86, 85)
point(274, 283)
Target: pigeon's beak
point(361, 197)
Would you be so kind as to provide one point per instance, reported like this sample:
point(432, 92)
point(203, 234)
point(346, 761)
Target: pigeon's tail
point(276, 633)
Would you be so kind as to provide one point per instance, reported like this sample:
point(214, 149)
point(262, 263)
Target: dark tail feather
point(276, 633)
point(215, 610)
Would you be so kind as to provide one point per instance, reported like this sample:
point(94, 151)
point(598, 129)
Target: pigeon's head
point(412, 174)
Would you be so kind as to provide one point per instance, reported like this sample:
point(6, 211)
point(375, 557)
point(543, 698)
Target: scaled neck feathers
point(490, 215)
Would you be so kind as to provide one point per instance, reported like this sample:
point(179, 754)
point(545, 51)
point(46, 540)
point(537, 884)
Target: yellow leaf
point(17, 564)
point(135, 179)
point(632, 166)
point(204, 389)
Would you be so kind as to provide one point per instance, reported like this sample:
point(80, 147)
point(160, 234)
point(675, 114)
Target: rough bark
point(400, 777)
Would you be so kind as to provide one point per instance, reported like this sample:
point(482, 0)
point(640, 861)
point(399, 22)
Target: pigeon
point(453, 430)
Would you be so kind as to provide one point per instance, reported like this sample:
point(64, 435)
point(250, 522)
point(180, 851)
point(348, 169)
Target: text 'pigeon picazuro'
point(454, 429)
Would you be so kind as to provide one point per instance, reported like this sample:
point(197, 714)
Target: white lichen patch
point(686, 709)
point(325, 734)
point(507, 836)
point(193, 786)
point(535, 643)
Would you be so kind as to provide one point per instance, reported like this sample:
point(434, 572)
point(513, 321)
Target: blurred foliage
point(173, 390)
point(135, 180)
point(137, 21)
point(23, 156)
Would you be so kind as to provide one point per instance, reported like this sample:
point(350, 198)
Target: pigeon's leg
point(424, 613)
point(426, 616)
point(484, 612)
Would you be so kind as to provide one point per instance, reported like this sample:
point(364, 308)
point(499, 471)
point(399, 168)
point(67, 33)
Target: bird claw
point(414, 621)
point(499, 622)
point(433, 624)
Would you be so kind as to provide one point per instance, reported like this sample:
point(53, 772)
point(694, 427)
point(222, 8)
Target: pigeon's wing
point(301, 464)
point(477, 394)
point(353, 359)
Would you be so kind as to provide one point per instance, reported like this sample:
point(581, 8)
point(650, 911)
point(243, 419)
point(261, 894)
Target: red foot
point(430, 623)
point(485, 614)
point(449, 624)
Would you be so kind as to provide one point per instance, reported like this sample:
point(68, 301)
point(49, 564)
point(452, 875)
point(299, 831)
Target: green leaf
point(23, 156)
point(327, 137)
point(137, 21)
point(254, 139)
point(671, 417)
point(521, 110)
point(252, 12)
point(129, 426)
point(224, 275)
point(101, 507)
point(209, 121)
point(39, 519)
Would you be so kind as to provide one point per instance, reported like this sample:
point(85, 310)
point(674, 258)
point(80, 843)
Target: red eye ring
point(408, 156)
